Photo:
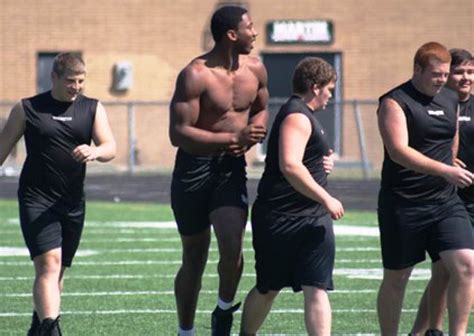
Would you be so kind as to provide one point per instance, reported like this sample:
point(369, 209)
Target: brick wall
point(377, 40)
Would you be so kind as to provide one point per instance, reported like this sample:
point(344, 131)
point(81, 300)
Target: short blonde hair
point(68, 61)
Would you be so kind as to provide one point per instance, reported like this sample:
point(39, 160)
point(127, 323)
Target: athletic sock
point(186, 332)
point(224, 305)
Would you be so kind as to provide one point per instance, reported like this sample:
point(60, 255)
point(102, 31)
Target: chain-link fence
point(141, 131)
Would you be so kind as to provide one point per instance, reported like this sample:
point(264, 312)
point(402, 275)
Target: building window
point(43, 71)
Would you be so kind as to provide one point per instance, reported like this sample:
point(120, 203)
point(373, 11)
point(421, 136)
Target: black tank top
point(53, 130)
point(466, 143)
point(431, 123)
point(274, 191)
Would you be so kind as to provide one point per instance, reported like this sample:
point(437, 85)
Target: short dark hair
point(460, 56)
point(312, 71)
point(225, 19)
point(68, 61)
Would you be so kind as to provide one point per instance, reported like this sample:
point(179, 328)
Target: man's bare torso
point(228, 95)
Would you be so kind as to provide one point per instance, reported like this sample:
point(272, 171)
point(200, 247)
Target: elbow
point(288, 169)
point(396, 156)
point(113, 152)
point(174, 138)
point(110, 152)
point(174, 142)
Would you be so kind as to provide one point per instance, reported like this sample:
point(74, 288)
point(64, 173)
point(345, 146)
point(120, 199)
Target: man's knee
point(49, 262)
point(231, 253)
point(396, 280)
point(459, 263)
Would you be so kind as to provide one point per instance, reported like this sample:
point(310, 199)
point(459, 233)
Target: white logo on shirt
point(62, 118)
point(464, 118)
point(436, 112)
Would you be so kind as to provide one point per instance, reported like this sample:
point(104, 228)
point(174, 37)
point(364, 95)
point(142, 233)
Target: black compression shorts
point(202, 184)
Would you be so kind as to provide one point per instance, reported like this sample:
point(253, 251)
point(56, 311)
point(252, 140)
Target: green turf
point(126, 288)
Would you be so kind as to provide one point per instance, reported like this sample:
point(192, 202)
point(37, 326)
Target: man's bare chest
point(230, 93)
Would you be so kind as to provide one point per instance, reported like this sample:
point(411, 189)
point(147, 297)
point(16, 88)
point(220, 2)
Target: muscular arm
point(105, 147)
point(393, 129)
point(184, 113)
point(294, 134)
point(258, 113)
point(259, 109)
point(12, 132)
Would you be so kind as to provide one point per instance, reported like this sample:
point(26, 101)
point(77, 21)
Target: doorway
point(280, 71)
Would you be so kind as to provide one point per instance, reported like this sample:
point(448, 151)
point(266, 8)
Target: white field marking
point(178, 240)
point(377, 273)
point(351, 273)
point(168, 240)
point(347, 230)
point(164, 262)
point(132, 240)
point(358, 261)
point(171, 292)
point(173, 311)
point(22, 251)
point(95, 232)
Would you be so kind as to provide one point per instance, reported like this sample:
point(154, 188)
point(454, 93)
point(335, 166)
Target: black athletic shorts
point(202, 184)
point(292, 251)
point(408, 230)
point(470, 211)
point(46, 227)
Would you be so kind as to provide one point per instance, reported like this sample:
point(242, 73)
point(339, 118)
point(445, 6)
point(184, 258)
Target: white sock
point(187, 332)
point(224, 305)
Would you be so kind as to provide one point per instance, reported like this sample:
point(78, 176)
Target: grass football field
point(121, 282)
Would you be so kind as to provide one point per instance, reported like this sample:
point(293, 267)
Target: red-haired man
point(418, 208)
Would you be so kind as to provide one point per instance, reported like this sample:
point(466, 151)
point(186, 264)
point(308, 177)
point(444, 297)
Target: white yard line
point(156, 262)
point(171, 292)
point(339, 229)
point(351, 273)
point(173, 311)
point(18, 251)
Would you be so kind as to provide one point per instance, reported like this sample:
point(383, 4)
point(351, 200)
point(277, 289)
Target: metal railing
point(141, 131)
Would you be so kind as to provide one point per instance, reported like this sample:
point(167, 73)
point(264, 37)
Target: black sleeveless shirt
point(466, 143)
point(431, 124)
point(275, 193)
point(53, 130)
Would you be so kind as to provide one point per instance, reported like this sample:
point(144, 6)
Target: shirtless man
point(217, 113)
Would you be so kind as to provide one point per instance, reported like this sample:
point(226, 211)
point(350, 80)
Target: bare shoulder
point(192, 77)
point(17, 110)
point(196, 68)
point(387, 105)
point(256, 66)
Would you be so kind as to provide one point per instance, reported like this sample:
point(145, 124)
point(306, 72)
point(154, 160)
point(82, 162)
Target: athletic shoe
point(35, 322)
point(221, 320)
point(49, 327)
point(433, 332)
